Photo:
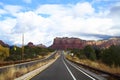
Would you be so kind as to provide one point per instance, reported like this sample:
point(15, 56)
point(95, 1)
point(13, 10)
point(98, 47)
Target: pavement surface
point(62, 69)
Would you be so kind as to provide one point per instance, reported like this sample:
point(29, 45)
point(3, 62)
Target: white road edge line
point(81, 70)
point(69, 71)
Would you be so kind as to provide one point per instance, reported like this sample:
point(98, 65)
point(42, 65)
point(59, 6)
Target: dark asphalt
point(61, 70)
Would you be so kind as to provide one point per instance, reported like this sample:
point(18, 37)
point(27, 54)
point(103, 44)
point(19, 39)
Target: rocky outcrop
point(67, 43)
point(70, 43)
point(30, 44)
point(3, 44)
point(110, 42)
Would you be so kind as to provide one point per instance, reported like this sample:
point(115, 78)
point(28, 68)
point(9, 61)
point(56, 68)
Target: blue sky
point(43, 20)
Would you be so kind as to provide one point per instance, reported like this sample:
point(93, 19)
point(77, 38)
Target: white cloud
point(2, 11)
point(83, 9)
point(12, 9)
point(78, 10)
point(6, 28)
point(114, 15)
point(32, 25)
point(28, 21)
point(52, 9)
point(6, 25)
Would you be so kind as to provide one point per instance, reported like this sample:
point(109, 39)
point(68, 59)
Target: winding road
point(63, 69)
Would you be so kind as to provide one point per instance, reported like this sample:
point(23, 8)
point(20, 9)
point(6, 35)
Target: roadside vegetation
point(15, 72)
point(4, 53)
point(14, 54)
point(104, 59)
point(29, 53)
point(12, 73)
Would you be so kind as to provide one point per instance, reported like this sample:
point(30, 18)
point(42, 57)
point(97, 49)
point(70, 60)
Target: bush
point(111, 56)
point(4, 52)
point(90, 52)
point(29, 53)
point(98, 53)
point(15, 54)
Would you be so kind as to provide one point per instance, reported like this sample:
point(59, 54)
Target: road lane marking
point(35, 72)
point(69, 71)
point(81, 70)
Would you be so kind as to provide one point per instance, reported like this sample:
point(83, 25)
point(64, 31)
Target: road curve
point(62, 69)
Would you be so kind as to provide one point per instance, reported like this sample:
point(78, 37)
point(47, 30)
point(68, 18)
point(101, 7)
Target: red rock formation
point(3, 44)
point(110, 42)
point(30, 44)
point(67, 43)
point(70, 43)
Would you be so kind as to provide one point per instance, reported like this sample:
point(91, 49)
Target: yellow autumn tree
point(4, 52)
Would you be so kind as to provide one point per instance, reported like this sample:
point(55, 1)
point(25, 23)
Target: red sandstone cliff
point(67, 43)
point(70, 43)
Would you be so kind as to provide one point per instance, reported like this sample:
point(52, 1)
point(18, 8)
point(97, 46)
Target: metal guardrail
point(26, 64)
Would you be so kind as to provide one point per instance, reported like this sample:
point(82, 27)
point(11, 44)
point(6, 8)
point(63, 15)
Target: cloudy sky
point(43, 20)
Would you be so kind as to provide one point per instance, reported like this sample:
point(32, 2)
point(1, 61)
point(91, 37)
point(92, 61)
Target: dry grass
point(97, 65)
point(8, 74)
point(14, 72)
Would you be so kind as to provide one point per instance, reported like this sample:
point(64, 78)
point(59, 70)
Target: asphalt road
point(62, 69)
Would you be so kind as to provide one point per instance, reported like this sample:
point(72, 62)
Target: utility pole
point(22, 56)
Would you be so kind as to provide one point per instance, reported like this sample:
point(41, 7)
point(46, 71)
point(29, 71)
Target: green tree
point(82, 54)
point(76, 52)
point(90, 52)
point(15, 54)
point(111, 56)
point(98, 53)
point(29, 52)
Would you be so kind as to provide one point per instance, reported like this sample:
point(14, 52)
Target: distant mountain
point(30, 44)
point(41, 45)
point(105, 43)
point(3, 44)
point(107, 38)
point(70, 43)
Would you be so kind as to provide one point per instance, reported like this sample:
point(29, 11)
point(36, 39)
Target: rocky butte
point(70, 43)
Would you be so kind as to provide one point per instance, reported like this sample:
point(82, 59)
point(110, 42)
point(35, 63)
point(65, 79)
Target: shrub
point(4, 52)
point(111, 56)
point(90, 52)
